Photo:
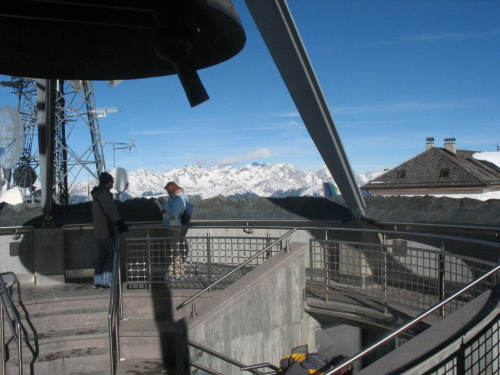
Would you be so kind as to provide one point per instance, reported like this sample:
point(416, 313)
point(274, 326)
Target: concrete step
point(71, 338)
point(67, 328)
point(161, 302)
point(147, 338)
point(144, 367)
point(71, 361)
point(80, 317)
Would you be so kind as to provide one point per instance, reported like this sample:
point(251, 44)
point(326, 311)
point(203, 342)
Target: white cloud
point(287, 114)
point(411, 106)
point(261, 153)
point(449, 36)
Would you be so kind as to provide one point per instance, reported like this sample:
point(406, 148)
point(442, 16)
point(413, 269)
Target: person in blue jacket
point(172, 209)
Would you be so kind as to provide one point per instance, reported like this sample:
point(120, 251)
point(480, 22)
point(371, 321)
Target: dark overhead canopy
point(110, 39)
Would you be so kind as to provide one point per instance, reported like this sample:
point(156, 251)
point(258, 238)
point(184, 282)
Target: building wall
point(480, 194)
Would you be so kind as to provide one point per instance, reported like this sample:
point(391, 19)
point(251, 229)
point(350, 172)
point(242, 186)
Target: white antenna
point(103, 112)
point(119, 146)
point(11, 137)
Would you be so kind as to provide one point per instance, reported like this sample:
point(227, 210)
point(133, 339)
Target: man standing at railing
point(105, 217)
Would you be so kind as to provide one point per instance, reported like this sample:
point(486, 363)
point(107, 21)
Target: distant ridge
point(262, 180)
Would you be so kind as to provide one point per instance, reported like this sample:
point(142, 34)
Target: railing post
point(441, 274)
point(268, 242)
point(2, 338)
point(385, 281)
point(326, 258)
point(148, 260)
point(209, 259)
point(19, 346)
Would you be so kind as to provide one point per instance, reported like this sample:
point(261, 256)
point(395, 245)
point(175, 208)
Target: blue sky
point(393, 73)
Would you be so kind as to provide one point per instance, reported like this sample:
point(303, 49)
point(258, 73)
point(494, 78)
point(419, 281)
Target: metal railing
point(115, 313)
point(393, 273)
point(196, 261)
point(418, 319)
point(203, 349)
point(14, 321)
point(252, 258)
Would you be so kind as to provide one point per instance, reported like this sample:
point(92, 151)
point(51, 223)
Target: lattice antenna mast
point(75, 115)
point(25, 173)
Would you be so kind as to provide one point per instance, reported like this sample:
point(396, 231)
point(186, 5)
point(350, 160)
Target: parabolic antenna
point(121, 179)
point(24, 176)
point(12, 196)
point(11, 137)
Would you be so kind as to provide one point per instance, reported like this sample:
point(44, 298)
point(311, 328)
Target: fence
point(413, 276)
point(193, 261)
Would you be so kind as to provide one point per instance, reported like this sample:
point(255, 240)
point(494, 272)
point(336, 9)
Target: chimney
point(450, 145)
point(429, 142)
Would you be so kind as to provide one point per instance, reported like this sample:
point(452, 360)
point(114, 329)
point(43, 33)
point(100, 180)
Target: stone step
point(71, 338)
point(71, 361)
point(144, 367)
point(147, 338)
point(75, 318)
point(161, 302)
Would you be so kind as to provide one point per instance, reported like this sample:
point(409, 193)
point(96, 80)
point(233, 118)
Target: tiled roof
point(439, 168)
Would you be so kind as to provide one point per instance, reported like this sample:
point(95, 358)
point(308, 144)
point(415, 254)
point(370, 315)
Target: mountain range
point(264, 180)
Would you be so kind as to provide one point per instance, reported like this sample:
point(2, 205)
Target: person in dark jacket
point(105, 217)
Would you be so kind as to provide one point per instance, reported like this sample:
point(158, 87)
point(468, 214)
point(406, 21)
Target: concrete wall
point(258, 318)
point(16, 253)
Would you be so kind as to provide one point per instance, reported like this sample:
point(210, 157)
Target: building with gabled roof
point(441, 172)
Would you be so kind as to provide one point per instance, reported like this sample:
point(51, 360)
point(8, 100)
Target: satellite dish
point(12, 196)
point(24, 176)
point(11, 137)
point(121, 179)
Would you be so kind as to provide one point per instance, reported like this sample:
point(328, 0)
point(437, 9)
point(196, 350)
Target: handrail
point(16, 331)
point(235, 269)
point(411, 323)
point(115, 304)
point(220, 356)
point(261, 365)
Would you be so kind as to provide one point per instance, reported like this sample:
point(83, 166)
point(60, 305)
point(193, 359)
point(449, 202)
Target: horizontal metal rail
point(235, 269)
point(219, 356)
point(411, 323)
point(13, 318)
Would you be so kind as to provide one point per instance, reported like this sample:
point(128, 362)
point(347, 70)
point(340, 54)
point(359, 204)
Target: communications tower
point(77, 140)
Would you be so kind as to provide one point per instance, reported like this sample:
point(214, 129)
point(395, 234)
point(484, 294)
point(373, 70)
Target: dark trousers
point(103, 271)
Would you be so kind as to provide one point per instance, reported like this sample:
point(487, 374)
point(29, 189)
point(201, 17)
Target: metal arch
point(278, 29)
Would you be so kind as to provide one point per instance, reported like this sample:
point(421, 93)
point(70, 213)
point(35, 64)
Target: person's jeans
point(103, 271)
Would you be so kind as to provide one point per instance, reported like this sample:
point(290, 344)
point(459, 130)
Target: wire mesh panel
point(192, 259)
point(479, 355)
point(482, 355)
point(396, 273)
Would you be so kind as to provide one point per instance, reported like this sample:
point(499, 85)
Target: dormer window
point(445, 172)
point(402, 173)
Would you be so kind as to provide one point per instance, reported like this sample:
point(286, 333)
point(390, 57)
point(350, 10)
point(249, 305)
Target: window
point(402, 173)
point(445, 172)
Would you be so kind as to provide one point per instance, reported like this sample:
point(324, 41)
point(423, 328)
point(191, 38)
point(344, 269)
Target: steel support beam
point(278, 29)
point(45, 94)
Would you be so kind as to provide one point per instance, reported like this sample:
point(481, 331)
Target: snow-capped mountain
point(264, 180)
